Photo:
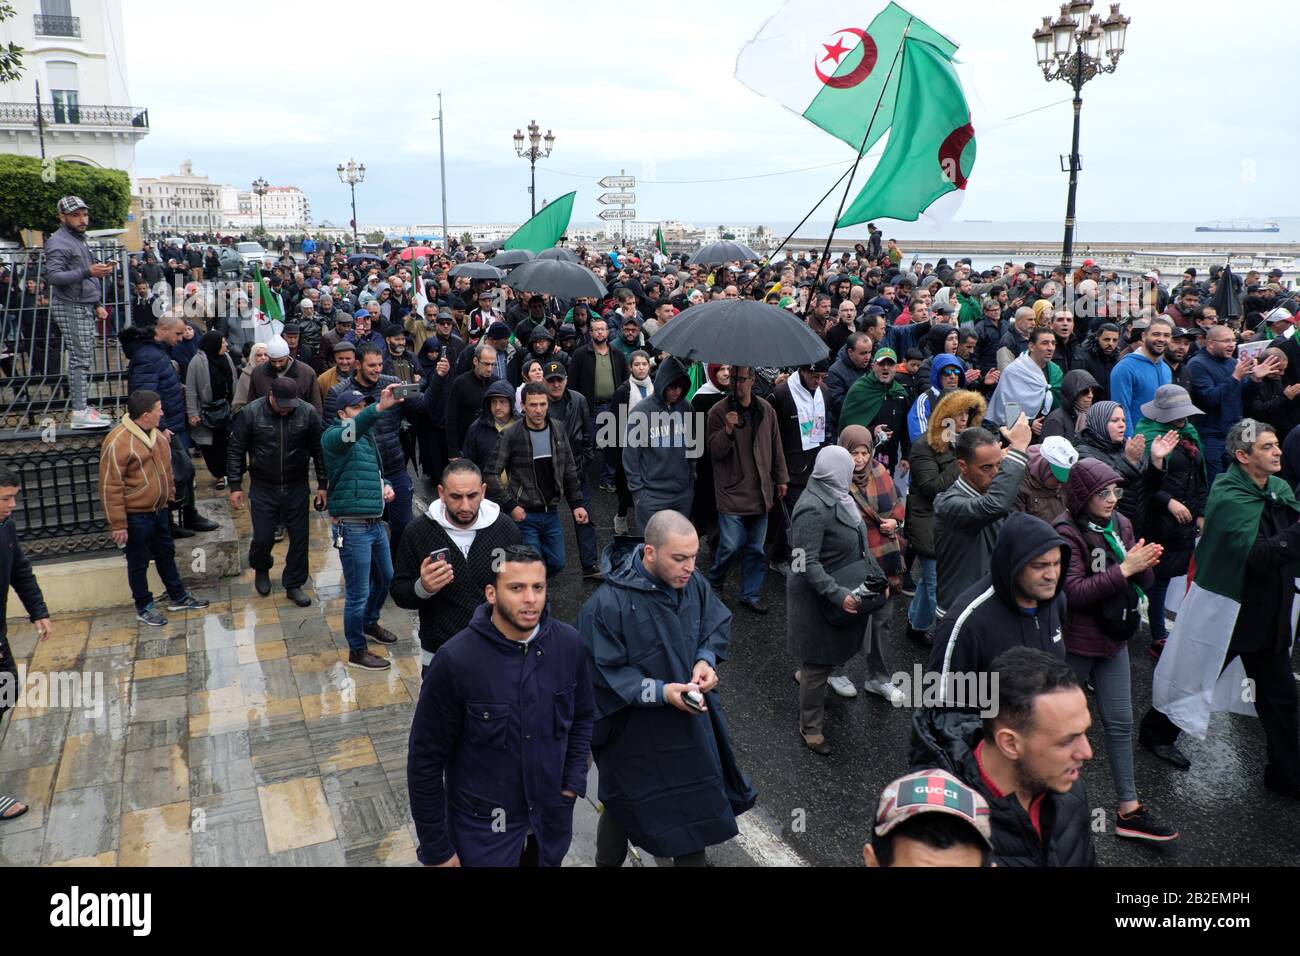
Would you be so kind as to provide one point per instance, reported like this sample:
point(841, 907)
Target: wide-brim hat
point(1171, 403)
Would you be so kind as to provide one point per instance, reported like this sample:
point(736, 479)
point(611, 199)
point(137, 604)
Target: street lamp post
point(260, 187)
point(353, 174)
point(539, 147)
point(1070, 49)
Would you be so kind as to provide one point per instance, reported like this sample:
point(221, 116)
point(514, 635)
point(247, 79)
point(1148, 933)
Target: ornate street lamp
point(353, 174)
point(539, 147)
point(260, 187)
point(1071, 48)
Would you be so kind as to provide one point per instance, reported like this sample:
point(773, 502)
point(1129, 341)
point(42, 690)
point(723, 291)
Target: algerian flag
point(545, 229)
point(659, 239)
point(817, 59)
point(269, 321)
point(931, 148)
point(1191, 681)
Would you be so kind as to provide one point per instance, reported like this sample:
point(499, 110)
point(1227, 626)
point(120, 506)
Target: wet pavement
point(237, 736)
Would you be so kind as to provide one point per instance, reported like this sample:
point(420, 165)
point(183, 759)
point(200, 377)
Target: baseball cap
point(554, 370)
point(498, 330)
point(886, 355)
point(1278, 315)
point(1059, 455)
point(360, 313)
point(285, 391)
point(444, 315)
point(486, 294)
point(1188, 333)
point(348, 398)
point(932, 791)
point(70, 204)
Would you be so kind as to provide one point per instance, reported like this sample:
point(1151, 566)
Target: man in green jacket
point(357, 496)
point(971, 311)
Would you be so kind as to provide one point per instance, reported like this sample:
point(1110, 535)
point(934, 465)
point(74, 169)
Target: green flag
point(267, 302)
point(544, 229)
point(931, 148)
point(659, 240)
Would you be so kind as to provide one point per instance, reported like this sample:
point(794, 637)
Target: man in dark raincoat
point(656, 632)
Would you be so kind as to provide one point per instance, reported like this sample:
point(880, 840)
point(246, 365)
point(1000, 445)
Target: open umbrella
point(512, 258)
point(741, 332)
point(1225, 300)
point(718, 253)
point(555, 252)
point(364, 257)
point(411, 252)
point(477, 270)
point(567, 280)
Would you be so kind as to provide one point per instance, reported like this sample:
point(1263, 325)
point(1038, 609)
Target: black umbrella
point(364, 257)
point(718, 253)
point(477, 270)
point(564, 255)
point(512, 258)
point(567, 280)
point(741, 332)
point(1225, 300)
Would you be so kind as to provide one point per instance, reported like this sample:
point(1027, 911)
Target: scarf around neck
point(812, 415)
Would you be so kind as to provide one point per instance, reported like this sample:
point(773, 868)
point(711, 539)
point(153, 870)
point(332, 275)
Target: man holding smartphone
point(74, 302)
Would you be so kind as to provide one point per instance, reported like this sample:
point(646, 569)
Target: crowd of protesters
point(1026, 459)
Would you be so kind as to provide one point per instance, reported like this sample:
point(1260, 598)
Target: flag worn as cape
point(820, 59)
point(1190, 681)
point(931, 148)
point(864, 399)
point(545, 229)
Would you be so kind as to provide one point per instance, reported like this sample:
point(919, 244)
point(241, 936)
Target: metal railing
point(59, 114)
point(47, 26)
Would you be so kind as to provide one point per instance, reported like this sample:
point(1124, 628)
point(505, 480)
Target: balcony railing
point(59, 114)
point(57, 26)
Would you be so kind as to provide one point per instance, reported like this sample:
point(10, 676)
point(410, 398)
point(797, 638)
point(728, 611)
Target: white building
point(280, 208)
point(75, 50)
point(179, 203)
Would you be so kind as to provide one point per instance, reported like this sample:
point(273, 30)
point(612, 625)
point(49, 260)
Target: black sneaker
point(608, 487)
point(908, 586)
point(754, 607)
point(592, 574)
point(1141, 825)
point(262, 581)
point(188, 603)
point(1169, 754)
point(378, 634)
point(298, 597)
point(151, 616)
point(367, 661)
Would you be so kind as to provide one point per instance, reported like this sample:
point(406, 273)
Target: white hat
point(1278, 315)
point(277, 348)
point(1059, 455)
point(1151, 275)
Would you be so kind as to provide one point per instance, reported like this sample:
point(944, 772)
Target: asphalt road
point(818, 810)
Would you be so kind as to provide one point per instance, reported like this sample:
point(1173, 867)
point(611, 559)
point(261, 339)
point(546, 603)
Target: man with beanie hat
point(280, 364)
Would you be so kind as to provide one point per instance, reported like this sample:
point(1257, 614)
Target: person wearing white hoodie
point(466, 533)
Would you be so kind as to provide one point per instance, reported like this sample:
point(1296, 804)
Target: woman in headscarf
point(830, 539)
point(1141, 473)
point(704, 509)
point(209, 381)
point(1079, 389)
point(882, 511)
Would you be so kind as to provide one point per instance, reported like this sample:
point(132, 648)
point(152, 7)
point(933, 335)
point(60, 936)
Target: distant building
point(75, 50)
point(179, 203)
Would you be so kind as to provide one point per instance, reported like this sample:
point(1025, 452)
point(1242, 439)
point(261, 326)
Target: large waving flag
point(269, 321)
point(931, 148)
point(819, 60)
point(545, 229)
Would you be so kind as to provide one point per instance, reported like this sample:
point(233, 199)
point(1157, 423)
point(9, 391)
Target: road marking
point(763, 843)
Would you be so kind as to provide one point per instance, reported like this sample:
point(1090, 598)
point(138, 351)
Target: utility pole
point(40, 122)
point(442, 167)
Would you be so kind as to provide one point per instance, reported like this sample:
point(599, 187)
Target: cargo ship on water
point(1240, 225)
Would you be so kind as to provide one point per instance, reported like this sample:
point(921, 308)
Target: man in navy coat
point(506, 712)
point(656, 633)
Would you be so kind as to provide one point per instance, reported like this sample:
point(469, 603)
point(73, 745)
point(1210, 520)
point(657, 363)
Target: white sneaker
point(842, 685)
point(620, 524)
point(883, 688)
point(88, 418)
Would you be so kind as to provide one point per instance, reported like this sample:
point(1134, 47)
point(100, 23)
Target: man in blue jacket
point(656, 633)
point(506, 712)
point(1135, 377)
point(1217, 381)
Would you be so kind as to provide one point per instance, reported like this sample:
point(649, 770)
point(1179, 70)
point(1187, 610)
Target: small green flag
point(545, 229)
point(931, 148)
point(267, 302)
point(659, 240)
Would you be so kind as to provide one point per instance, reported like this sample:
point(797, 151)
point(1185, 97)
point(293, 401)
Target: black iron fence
point(60, 114)
point(47, 26)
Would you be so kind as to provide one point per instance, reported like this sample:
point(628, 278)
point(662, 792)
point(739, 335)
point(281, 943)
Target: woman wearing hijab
point(882, 511)
point(1079, 389)
point(210, 382)
point(827, 532)
point(1140, 473)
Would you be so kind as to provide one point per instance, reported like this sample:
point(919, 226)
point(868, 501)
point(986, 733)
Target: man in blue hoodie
point(506, 713)
point(947, 372)
point(1135, 377)
point(663, 443)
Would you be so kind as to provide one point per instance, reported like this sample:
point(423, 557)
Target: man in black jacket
point(464, 399)
point(1024, 759)
point(277, 435)
point(15, 570)
point(1098, 355)
point(569, 408)
point(592, 369)
point(474, 532)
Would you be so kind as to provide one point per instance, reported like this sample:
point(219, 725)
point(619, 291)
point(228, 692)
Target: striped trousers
point(77, 323)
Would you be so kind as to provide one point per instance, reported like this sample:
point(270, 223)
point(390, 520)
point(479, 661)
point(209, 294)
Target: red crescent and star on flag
point(835, 53)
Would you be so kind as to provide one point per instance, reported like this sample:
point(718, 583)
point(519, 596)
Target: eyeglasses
point(954, 372)
point(1110, 494)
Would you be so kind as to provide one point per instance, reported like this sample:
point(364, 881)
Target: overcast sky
point(1189, 128)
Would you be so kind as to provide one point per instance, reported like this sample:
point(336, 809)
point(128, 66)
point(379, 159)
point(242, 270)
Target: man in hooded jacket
point(663, 444)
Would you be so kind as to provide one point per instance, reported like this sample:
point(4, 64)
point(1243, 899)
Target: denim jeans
point(542, 532)
point(367, 573)
point(586, 533)
point(1156, 608)
point(920, 613)
point(1216, 456)
point(149, 536)
point(1115, 702)
point(398, 511)
point(741, 535)
point(606, 466)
